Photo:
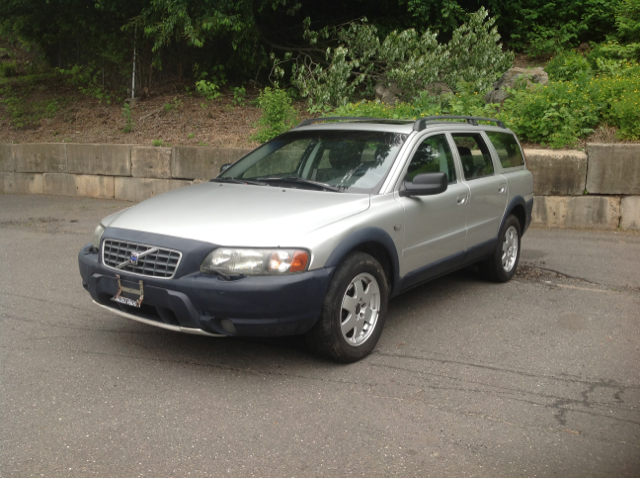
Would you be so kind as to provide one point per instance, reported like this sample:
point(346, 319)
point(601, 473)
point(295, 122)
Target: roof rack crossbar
point(311, 121)
point(421, 124)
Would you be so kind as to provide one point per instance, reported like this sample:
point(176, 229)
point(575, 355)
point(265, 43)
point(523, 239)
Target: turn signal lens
point(300, 260)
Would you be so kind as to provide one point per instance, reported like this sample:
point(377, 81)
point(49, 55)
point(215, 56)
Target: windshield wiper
point(238, 181)
point(301, 181)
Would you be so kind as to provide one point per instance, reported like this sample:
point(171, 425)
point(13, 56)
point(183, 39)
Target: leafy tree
point(628, 21)
point(356, 60)
point(551, 26)
point(240, 34)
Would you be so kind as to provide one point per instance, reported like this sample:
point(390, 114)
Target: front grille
point(161, 263)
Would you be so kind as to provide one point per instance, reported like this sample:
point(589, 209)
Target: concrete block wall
point(589, 189)
point(557, 172)
point(599, 188)
point(601, 212)
point(122, 172)
point(194, 162)
point(613, 169)
point(105, 160)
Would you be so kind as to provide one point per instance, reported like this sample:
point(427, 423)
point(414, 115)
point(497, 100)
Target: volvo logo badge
point(134, 257)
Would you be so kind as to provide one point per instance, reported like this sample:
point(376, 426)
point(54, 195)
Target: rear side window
point(474, 155)
point(507, 148)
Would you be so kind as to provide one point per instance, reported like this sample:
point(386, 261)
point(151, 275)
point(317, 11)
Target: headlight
point(232, 261)
point(97, 236)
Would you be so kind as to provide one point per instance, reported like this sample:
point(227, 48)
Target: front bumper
point(193, 302)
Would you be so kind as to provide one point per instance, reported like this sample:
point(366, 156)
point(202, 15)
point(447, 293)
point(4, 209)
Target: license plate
point(127, 301)
point(118, 298)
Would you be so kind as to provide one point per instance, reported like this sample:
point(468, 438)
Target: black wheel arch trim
point(361, 237)
point(527, 206)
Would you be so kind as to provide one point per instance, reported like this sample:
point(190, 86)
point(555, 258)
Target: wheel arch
point(516, 208)
point(375, 242)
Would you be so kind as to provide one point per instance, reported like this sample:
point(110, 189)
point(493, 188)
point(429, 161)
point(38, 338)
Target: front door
point(435, 230)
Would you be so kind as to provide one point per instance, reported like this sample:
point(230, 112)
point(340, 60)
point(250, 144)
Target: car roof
point(405, 128)
point(432, 123)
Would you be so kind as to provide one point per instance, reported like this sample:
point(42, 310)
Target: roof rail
point(311, 121)
point(421, 124)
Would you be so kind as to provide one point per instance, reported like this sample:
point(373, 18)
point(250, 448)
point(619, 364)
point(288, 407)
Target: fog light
point(228, 326)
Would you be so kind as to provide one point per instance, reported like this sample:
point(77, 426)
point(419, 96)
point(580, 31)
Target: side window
point(507, 148)
point(432, 156)
point(474, 154)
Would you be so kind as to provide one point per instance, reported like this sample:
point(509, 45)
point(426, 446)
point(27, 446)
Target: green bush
point(625, 114)
point(566, 66)
point(8, 69)
point(239, 95)
point(466, 102)
point(617, 98)
point(628, 20)
point(278, 115)
point(556, 114)
point(208, 89)
point(561, 112)
point(23, 110)
point(128, 118)
point(543, 26)
point(609, 57)
point(87, 79)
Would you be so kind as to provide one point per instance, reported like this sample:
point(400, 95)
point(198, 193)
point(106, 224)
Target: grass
point(23, 112)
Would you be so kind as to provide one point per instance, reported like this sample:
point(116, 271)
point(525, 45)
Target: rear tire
point(353, 311)
point(503, 263)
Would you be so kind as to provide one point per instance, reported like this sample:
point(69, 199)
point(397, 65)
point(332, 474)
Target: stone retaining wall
point(573, 189)
point(122, 172)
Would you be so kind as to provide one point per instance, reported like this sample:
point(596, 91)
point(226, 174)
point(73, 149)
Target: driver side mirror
point(225, 167)
point(425, 184)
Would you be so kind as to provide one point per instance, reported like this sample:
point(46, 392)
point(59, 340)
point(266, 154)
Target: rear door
point(488, 190)
point(512, 166)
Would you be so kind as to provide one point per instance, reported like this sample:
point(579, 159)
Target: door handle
point(502, 189)
point(461, 200)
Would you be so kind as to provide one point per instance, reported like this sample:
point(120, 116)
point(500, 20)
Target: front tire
point(503, 263)
point(353, 312)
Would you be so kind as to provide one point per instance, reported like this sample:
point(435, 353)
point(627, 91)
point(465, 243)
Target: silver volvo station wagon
point(312, 233)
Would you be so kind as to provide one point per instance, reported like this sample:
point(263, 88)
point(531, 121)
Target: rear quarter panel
point(520, 184)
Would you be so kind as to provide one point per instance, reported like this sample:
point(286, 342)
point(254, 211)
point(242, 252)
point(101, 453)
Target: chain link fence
point(153, 70)
point(172, 66)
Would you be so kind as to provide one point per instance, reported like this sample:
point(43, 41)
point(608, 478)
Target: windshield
point(351, 161)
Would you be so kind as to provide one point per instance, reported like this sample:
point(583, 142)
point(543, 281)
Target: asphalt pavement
point(535, 377)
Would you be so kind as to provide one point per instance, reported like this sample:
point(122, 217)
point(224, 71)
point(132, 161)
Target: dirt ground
point(48, 110)
point(57, 112)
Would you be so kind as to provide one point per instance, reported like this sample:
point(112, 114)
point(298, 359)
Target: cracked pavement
point(536, 377)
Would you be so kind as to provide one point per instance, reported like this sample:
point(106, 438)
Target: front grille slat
point(162, 263)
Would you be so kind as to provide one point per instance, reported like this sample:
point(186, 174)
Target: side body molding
point(473, 254)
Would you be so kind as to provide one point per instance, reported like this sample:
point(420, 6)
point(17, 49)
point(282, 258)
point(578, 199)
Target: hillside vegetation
point(238, 73)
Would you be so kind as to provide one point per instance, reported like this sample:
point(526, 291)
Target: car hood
point(239, 215)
